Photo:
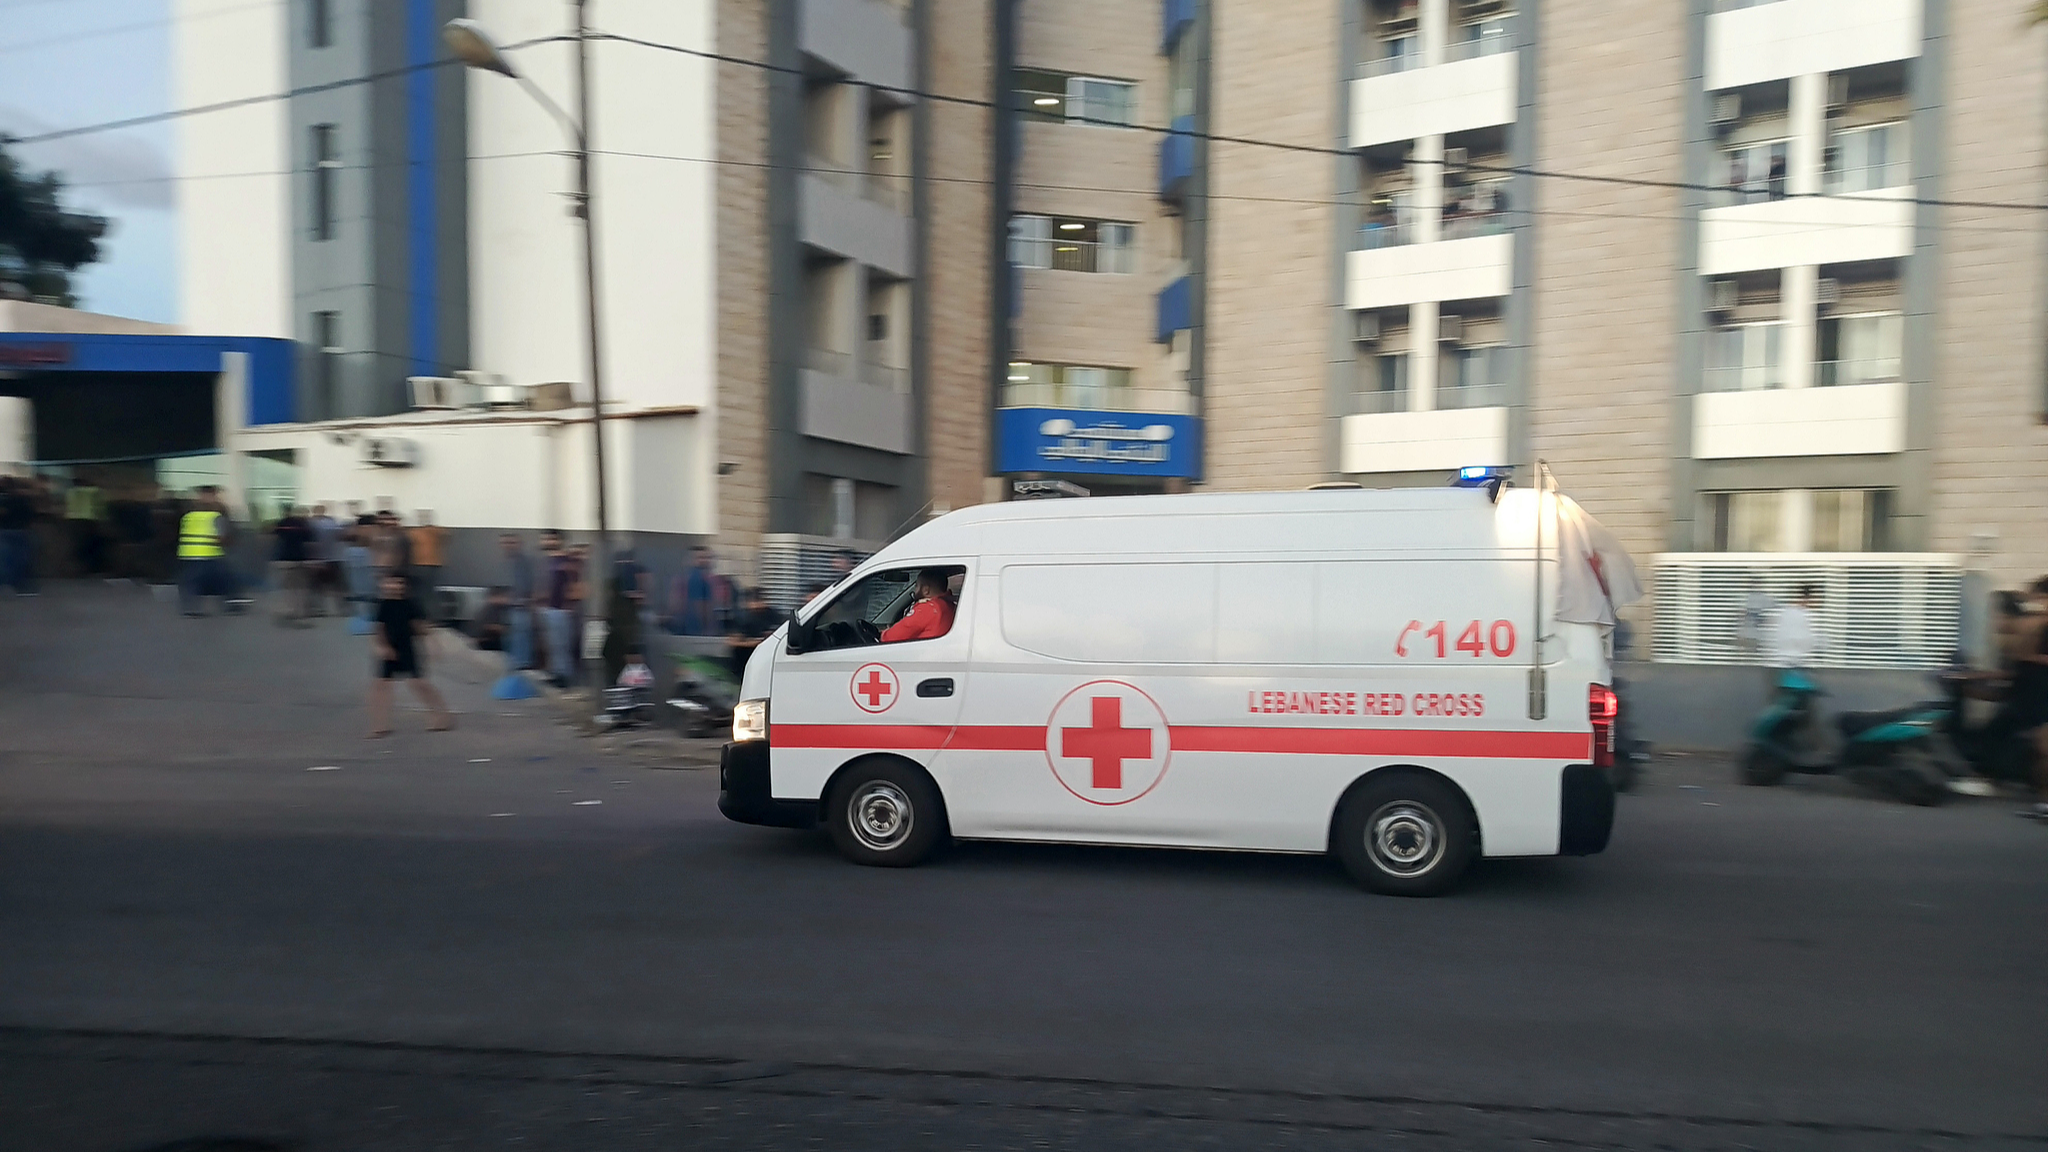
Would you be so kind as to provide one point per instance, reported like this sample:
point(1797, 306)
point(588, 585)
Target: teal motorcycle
point(1900, 752)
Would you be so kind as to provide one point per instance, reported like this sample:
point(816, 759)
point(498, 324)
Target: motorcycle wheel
point(1920, 779)
point(1763, 768)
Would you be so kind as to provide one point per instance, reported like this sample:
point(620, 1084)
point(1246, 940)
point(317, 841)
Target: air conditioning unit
point(1723, 296)
point(499, 394)
point(1450, 329)
point(433, 391)
point(551, 397)
point(1454, 159)
point(1727, 108)
point(1827, 293)
point(1838, 92)
point(473, 385)
point(389, 451)
point(1365, 327)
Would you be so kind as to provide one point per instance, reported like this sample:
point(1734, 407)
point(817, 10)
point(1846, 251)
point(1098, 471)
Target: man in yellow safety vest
point(203, 537)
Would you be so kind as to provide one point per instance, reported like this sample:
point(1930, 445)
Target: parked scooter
point(1898, 752)
point(701, 703)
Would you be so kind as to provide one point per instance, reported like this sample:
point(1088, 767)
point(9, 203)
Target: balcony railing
point(1465, 225)
point(1743, 377)
point(1388, 65)
point(1376, 234)
point(1489, 44)
point(1864, 370)
point(1373, 401)
point(826, 360)
point(1488, 395)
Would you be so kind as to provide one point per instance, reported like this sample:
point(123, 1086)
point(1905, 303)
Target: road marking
point(325, 768)
point(480, 760)
point(495, 815)
point(587, 803)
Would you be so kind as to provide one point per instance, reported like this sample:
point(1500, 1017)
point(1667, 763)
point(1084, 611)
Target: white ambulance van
point(1384, 675)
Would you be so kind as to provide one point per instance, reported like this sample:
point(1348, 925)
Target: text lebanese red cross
point(1106, 744)
point(875, 688)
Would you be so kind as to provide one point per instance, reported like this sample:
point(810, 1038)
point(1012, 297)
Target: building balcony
point(855, 215)
point(863, 404)
point(1757, 43)
point(1456, 96)
point(1392, 273)
point(1176, 159)
point(1846, 420)
point(1441, 440)
point(1802, 230)
point(867, 39)
point(1175, 310)
point(1176, 17)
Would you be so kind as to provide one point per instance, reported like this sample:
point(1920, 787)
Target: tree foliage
point(41, 244)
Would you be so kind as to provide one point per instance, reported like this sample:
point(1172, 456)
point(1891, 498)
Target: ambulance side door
point(840, 692)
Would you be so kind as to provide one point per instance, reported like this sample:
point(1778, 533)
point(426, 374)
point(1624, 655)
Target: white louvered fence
point(1877, 610)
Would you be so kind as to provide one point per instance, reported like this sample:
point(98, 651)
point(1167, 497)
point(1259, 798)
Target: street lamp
point(469, 43)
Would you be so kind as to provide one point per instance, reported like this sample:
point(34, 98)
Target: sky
point(65, 63)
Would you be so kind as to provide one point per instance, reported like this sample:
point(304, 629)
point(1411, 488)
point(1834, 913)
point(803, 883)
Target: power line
point(987, 105)
point(138, 26)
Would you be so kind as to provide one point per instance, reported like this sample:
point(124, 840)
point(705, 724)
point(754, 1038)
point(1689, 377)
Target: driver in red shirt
point(932, 615)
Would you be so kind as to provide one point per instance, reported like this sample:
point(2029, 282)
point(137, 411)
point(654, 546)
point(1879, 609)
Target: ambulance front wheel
point(885, 813)
point(1405, 834)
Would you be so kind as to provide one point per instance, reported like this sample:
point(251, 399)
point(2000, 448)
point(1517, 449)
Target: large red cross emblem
point(1107, 742)
point(874, 687)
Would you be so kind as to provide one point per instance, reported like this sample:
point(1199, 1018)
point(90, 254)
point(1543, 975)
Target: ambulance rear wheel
point(885, 813)
point(1405, 834)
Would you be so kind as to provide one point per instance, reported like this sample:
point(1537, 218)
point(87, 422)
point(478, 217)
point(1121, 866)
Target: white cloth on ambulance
point(1597, 578)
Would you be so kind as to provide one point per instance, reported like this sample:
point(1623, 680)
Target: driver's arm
point(914, 625)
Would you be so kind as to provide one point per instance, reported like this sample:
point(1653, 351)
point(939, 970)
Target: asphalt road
point(438, 942)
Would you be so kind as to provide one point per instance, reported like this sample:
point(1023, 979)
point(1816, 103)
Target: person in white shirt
point(1795, 638)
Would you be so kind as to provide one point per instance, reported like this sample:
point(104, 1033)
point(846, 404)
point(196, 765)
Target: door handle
point(942, 686)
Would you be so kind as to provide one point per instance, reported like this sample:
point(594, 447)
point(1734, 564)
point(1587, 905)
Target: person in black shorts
point(400, 630)
point(2028, 697)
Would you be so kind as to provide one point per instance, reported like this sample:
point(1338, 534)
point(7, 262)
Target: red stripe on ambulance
point(1383, 742)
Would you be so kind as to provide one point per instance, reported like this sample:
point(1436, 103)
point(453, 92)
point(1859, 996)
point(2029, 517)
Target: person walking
point(623, 601)
point(17, 536)
point(401, 631)
point(292, 566)
point(429, 550)
point(326, 558)
point(84, 508)
point(362, 578)
point(518, 599)
point(559, 612)
point(204, 534)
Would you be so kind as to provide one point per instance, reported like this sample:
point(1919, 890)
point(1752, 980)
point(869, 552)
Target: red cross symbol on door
point(874, 687)
point(1106, 743)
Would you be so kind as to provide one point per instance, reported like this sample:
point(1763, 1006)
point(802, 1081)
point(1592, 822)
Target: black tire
point(1921, 777)
point(1763, 767)
point(885, 814)
point(1405, 834)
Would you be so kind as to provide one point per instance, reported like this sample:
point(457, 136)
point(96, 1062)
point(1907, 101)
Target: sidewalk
point(103, 671)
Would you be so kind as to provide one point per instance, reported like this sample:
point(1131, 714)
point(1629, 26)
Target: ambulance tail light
point(749, 721)
point(1603, 707)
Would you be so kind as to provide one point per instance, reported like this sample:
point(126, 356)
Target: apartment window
point(1057, 97)
point(1860, 349)
point(1755, 172)
point(1797, 520)
point(1745, 358)
point(1480, 38)
point(1866, 158)
point(327, 368)
point(1182, 72)
point(1389, 220)
point(319, 23)
point(1473, 377)
point(326, 169)
point(1383, 383)
point(1070, 244)
point(844, 509)
point(1034, 385)
point(1475, 208)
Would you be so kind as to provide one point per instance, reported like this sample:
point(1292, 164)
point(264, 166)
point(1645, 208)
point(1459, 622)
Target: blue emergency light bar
point(1481, 474)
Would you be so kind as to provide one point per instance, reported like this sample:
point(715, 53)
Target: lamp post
point(468, 41)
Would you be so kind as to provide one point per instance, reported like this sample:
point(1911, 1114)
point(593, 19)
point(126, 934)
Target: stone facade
point(957, 268)
point(742, 281)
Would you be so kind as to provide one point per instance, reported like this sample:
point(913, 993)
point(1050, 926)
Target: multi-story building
point(1759, 279)
point(765, 195)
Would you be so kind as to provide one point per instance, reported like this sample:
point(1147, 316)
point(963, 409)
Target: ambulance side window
point(856, 616)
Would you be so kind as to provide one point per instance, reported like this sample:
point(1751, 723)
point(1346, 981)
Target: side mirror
point(800, 637)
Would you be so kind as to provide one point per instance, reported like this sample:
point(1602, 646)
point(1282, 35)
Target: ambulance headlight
point(749, 721)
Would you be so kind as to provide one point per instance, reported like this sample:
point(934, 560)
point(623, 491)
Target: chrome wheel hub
point(1405, 838)
point(880, 815)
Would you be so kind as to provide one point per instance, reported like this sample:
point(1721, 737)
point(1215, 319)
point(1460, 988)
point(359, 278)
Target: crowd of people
point(47, 529)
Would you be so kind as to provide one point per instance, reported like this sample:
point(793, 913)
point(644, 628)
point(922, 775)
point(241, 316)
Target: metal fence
point(1877, 609)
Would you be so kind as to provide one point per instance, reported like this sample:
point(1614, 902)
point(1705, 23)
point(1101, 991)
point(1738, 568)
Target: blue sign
point(1081, 442)
point(272, 361)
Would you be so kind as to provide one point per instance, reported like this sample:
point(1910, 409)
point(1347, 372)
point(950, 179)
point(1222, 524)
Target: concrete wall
point(234, 227)
point(957, 272)
point(741, 419)
point(1690, 706)
point(1270, 250)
